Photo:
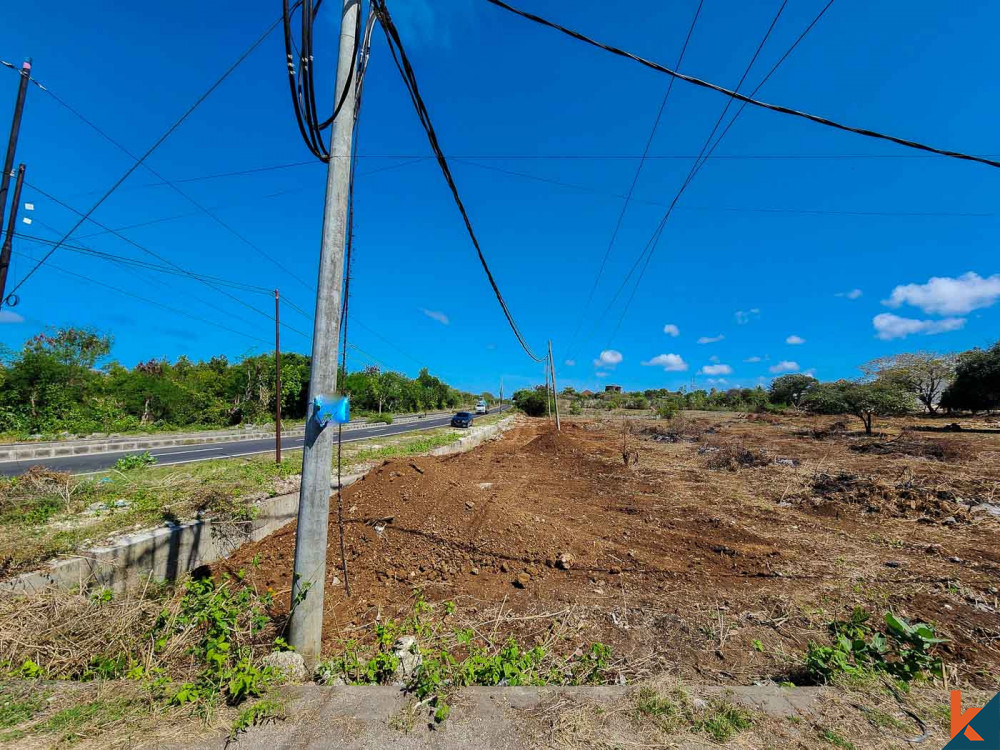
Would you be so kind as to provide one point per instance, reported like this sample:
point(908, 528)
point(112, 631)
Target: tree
point(924, 374)
point(532, 402)
point(863, 400)
point(789, 389)
point(976, 386)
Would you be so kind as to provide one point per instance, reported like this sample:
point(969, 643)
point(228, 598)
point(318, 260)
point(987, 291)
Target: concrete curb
point(167, 552)
point(56, 449)
point(487, 717)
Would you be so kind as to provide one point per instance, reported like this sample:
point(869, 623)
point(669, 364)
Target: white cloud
point(609, 358)
point(714, 358)
point(717, 381)
point(811, 372)
point(943, 295)
point(794, 340)
point(571, 363)
point(716, 370)
point(710, 339)
point(853, 294)
point(754, 359)
point(745, 316)
point(671, 330)
point(602, 374)
point(889, 326)
point(7, 316)
point(784, 366)
point(440, 317)
point(669, 362)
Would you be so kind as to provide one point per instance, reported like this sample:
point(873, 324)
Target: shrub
point(904, 651)
point(534, 403)
point(135, 461)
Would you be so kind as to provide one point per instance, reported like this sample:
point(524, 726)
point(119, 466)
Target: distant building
point(587, 393)
point(612, 389)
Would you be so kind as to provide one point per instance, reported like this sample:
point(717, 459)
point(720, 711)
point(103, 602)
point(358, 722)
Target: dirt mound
point(937, 450)
point(902, 499)
point(553, 442)
point(733, 456)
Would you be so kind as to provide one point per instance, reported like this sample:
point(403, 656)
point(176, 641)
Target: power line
point(177, 311)
point(146, 250)
point(741, 97)
point(126, 261)
point(635, 179)
point(150, 150)
point(201, 208)
point(650, 248)
point(406, 71)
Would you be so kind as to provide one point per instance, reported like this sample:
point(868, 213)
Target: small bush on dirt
point(666, 410)
point(903, 651)
point(453, 659)
point(733, 456)
point(196, 645)
point(575, 409)
point(135, 461)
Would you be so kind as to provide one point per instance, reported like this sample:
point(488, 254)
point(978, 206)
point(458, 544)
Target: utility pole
point(8, 240)
point(306, 626)
point(8, 162)
point(555, 388)
point(277, 378)
point(548, 406)
point(501, 393)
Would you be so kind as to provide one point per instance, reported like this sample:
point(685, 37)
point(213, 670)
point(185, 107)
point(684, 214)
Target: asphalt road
point(182, 454)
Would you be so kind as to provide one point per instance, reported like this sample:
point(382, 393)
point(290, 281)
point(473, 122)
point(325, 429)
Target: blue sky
point(796, 233)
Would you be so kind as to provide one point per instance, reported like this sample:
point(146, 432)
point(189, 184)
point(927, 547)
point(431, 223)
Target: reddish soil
point(679, 567)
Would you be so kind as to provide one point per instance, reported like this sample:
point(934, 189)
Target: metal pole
point(548, 405)
point(8, 240)
point(277, 379)
point(501, 393)
point(8, 162)
point(555, 388)
point(306, 625)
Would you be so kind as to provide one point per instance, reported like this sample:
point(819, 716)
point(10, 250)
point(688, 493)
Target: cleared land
point(717, 557)
point(44, 514)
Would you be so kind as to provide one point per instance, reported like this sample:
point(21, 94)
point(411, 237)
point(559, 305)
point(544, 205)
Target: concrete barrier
point(29, 451)
point(167, 552)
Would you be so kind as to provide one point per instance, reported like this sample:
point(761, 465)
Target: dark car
point(462, 419)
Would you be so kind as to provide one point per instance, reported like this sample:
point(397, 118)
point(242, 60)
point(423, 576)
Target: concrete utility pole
point(8, 240)
point(306, 627)
point(277, 378)
point(548, 404)
point(555, 389)
point(8, 162)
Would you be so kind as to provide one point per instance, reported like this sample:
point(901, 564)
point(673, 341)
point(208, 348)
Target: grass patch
point(410, 447)
point(837, 740)
point(17, 707)
point(675, 712)
point(44, 514)
point(261, 712)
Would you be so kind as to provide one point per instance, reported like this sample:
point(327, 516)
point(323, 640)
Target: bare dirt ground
point(726, 545)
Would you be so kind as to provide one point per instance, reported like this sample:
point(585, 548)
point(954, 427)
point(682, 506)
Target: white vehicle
point(481, 407)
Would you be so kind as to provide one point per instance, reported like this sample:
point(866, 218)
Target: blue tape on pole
point(326, 410)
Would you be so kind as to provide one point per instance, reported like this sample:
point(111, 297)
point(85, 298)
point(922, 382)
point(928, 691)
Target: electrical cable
point(650, 248)
point(402, 62)
point(148, 252)
point(635, 180)
point(747, 99)
point(163, 180)
point(300, 78)
point(156, 144)
point(132, 262)
point(175, 310)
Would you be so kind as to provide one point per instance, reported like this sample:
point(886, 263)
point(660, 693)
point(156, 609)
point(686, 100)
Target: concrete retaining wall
point(168, 552)
point(28, 451)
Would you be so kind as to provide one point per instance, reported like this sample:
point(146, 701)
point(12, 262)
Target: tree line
point(62, 381)
point(899, 384)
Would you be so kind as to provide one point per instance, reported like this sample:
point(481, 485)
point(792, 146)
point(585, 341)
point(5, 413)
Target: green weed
point(133, 461)
point(836, 740)
point(903, 651)
point(259, 713)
